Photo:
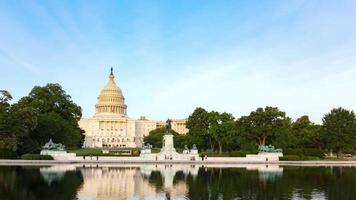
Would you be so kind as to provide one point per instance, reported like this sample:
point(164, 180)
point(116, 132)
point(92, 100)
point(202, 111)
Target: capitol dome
point(110, 99)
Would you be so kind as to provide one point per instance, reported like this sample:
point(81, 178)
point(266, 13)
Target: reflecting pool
point(196, 182)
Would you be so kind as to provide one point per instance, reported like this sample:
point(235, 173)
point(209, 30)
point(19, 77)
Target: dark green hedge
point(228, 154)
point(36, 157)
point(241, 153)
point(305, 152)
point(214, 154)
point(297, 158)
point(290, 157)
point(7, 154)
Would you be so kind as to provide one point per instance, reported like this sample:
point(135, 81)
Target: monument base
point(168, 152)
point(59, 155)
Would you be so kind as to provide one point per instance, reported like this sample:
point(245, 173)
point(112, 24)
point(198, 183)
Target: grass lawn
point(98, 152)
point(87, 152)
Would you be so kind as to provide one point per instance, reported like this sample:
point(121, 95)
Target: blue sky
point(172, 56)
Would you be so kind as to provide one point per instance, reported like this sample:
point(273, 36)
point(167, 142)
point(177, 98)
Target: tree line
point(46, 112)
point(222, 132)
point(49, 112)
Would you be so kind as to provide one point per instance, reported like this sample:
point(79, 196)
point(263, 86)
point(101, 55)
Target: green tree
point(52, 98)
point(198, 125)
point(24, 120)
point(307, 133)
point(52, 126)
point(5, 97)
point(155, 138)
point(15, 124)
point(54, 115)
point(266, 125)
point(8, 136)
point(221, 128)
point(339, 130)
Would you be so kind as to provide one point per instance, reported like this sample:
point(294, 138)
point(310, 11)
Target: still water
point(153, 182)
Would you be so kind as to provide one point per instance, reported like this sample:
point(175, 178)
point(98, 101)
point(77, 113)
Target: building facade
point(111, 127)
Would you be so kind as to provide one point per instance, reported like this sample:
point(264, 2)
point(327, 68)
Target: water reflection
point(177, 182)
point(55, 173)
point(29, 183)
point(143, 181)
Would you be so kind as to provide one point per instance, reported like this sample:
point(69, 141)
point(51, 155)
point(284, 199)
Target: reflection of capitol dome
point(111, 99)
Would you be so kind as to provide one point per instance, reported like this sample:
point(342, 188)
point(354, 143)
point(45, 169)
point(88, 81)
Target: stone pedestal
point(186, 151)
point(194, 151)
point(146, 151)
point(59, 155)
point(168, 152)
point(168, 145)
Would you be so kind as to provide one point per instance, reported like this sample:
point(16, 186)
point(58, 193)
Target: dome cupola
point(110, 99)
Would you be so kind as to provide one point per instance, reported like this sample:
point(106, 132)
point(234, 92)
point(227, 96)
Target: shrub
point(298, 152)
point(237, 153)
point(136, 152)
point(306, 152)
point(290, 158)
point(214, 154)
point(155, 150)
point(313, 152)
point(36, 157)
point(241, 153)
point(7, 154)
point(298, 158)
point(310, 158)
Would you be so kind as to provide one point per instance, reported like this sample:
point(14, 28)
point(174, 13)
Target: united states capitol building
point(111, 127)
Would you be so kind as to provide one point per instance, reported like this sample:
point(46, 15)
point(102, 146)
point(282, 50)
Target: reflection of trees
point(27, 183)
point(336, 182)
point(156, 180)
point(301, 181)
point(179, 176)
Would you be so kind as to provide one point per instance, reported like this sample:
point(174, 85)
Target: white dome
point(110, 99)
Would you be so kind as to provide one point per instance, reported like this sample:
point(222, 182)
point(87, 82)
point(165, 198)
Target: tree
point(52, 98)
point(23, 120)
point(266, 126)
point(8, 137)
point(221, 128)
point(15, 124)
point(339, 130)
point(50, 113)
point(198, 125)
point(5, 97)
point(307, 133)
point(155, 138)
point(52, 126)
